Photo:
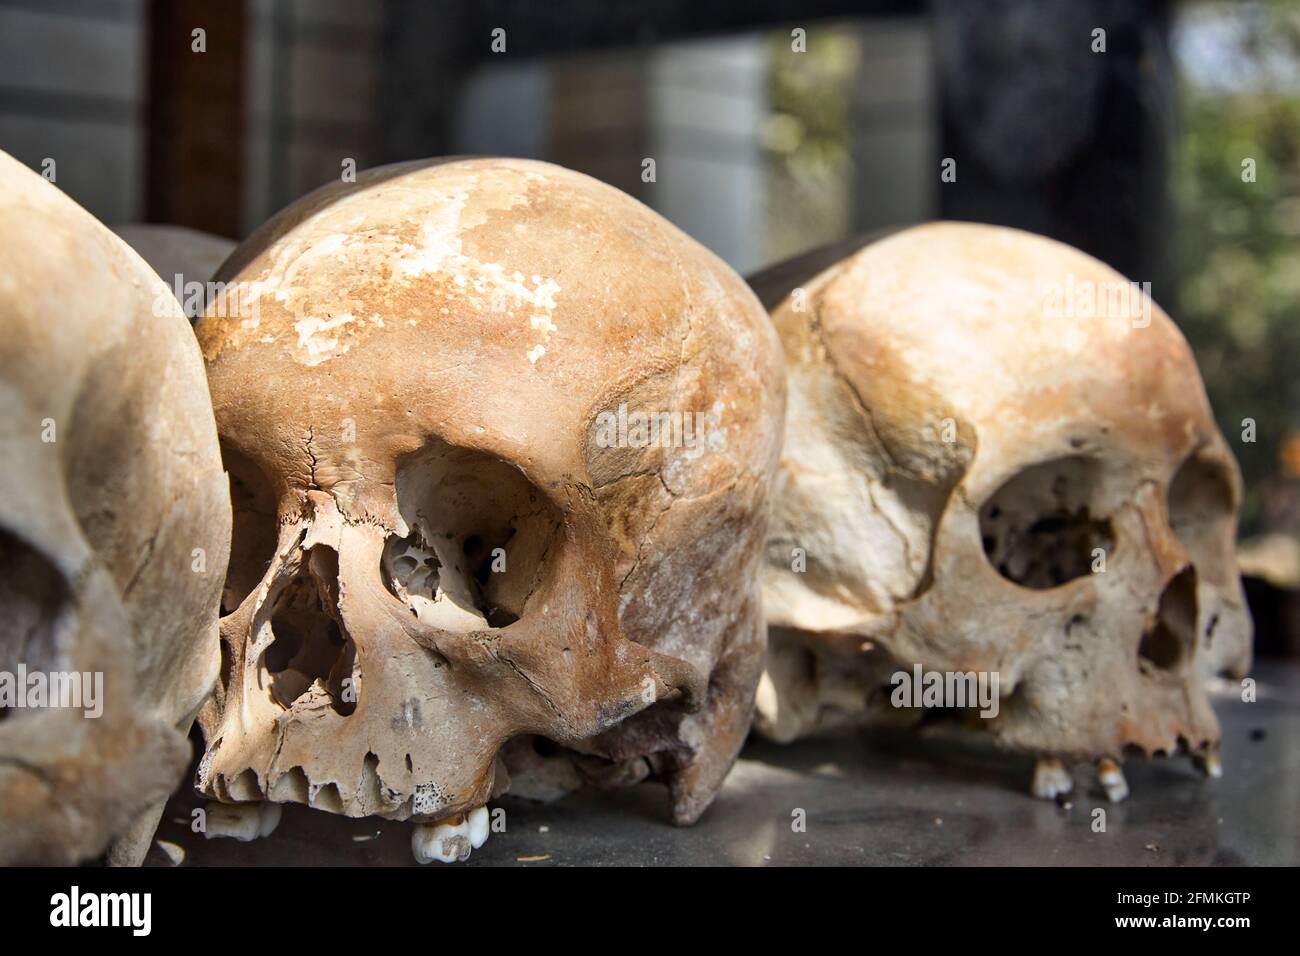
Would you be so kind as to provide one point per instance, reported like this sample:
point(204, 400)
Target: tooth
point(1208, 764)
point(241, 821)
point(452, 839)
point(1112, 779)
point(175, 852)
point(1051, 778)
point(478, 826)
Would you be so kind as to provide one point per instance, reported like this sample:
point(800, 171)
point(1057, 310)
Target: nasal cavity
point(312, 653)
point(1172, 636)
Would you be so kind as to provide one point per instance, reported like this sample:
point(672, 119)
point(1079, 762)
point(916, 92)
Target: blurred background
point(1168, 145)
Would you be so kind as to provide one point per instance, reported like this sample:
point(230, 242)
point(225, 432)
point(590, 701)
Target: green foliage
point(1237, 256)
point(807, 140)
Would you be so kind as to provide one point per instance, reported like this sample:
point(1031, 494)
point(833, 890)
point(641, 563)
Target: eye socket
point(1038, 529)
point(253, 533)
point(480, 533)
point(1202, 501)
point(35, 598)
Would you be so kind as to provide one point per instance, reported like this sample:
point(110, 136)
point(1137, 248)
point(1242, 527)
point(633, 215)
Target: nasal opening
point(1171, 637)
point(312, 651)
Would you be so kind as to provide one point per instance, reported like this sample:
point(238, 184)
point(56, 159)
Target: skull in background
point(114, 531)
point(999, 459)
point(184, 258)
point(451, 538)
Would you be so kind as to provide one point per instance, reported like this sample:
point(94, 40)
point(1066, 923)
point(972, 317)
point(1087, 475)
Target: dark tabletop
point(868, 800)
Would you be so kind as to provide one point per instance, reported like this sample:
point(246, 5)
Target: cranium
point(185, 258)
point(999, 459)
point(440, 546)
point(114, 533)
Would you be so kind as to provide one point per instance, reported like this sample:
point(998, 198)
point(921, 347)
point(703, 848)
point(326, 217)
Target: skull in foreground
point(114, 533)
point(999, 460)
point(454, 551)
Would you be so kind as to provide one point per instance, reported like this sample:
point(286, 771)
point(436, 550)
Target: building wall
point(72, 89)
point(73, 86)
point(312, 98)
point(895, 133)
point(694, 108)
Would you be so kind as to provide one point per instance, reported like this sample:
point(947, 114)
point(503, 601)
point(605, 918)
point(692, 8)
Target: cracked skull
point(500, 441)
point(114, 530)
point(999, 460)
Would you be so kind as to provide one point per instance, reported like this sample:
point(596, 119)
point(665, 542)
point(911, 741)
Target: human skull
point(440, 546)
point(185, 258)
point(999, 459)
point(114, 533)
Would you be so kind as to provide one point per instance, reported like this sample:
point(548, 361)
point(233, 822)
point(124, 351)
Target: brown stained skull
point(114, 532)
point(438, 552)
point(999, 458)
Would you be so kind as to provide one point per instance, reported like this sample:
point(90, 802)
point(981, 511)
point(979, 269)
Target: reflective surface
point(869, 801)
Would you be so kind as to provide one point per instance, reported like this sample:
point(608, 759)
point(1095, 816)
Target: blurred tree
point(807, 141)
point(1236, 256)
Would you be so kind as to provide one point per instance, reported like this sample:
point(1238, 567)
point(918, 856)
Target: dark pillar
point(195, 155)
point(1053, 137)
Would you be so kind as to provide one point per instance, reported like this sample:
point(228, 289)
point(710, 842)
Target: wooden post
point(195, 160)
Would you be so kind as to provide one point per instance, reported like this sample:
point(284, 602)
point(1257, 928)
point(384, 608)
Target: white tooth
point(479, 824)
point(1209, 764)
point(1112, 780)
point(1051, 778)
point(270, 819)
point(175, 852)
point(240, 821)
point(447, 841)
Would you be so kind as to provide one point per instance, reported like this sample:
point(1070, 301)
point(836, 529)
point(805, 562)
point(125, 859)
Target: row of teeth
point(1052, 779)
point(446, 841)
point(452, 840)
